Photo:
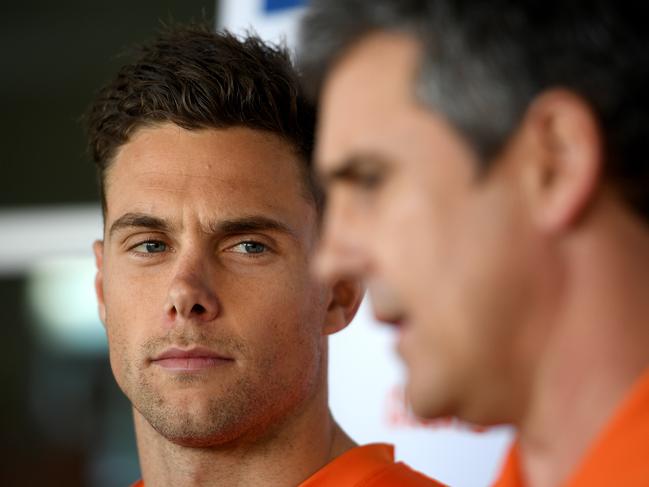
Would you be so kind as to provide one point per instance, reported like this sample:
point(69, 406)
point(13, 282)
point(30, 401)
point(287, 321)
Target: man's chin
point(429, 410)
point(195, 440)
point(181, 423)
point(194, 433)
point(433, 404)
point(429, 402)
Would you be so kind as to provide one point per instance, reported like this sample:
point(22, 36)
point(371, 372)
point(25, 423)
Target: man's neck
point(597, 351)
point(288, 454)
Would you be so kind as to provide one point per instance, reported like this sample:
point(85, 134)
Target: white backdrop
point(366, 378)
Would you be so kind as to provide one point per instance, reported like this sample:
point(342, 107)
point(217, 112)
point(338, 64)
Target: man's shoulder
point(369, 466)
point(401, 474)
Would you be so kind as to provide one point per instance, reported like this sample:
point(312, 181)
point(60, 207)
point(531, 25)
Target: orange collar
point(619, 455)
point(350, 468)
point(353, 466)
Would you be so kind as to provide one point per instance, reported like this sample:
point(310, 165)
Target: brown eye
point(369, 180)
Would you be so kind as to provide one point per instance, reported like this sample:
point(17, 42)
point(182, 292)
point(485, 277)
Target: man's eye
point(150, 247)
point(366, 179)
point(249, 248)
point(369, 180)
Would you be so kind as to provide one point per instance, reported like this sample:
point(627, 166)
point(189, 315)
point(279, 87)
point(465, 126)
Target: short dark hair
point(196, 79)
point(484, 61)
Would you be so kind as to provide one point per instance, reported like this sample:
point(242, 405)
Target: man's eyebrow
point(350, 168)
point(250, 224)
point(138, 220)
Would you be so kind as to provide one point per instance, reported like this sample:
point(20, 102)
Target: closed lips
point(191, 359)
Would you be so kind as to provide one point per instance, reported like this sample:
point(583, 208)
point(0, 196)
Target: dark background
point(62, 419)
point(54, 56)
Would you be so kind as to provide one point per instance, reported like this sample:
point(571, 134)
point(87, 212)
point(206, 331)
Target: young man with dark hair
point(217, 331)
point(485, 163)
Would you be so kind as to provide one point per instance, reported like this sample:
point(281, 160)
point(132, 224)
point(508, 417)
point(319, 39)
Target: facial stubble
point(231, 403)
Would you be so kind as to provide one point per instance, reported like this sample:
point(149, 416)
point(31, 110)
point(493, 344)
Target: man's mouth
point(190, 360)
point(398, 322)
point(394, 320)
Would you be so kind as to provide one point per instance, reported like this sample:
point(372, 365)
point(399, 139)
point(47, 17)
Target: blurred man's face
point(214, 323)
point(444, 252)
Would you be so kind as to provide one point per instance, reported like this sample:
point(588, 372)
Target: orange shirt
point(366, 466)
point(619, 456)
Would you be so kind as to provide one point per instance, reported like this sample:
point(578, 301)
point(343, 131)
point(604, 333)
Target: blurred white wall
point(30, 236)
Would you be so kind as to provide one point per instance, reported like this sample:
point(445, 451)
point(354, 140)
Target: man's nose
point(191, 295)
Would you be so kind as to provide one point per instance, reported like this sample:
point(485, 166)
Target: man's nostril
point(198, 309)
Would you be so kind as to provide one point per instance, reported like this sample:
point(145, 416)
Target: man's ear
point(561, 179)
point(98, 249)
point(345, 297)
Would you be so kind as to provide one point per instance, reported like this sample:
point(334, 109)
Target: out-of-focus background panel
point(55, 55)
point(63, 421)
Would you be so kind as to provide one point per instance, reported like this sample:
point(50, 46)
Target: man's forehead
point(168, 171)
point(171, 158)
point(380, 63)
point(364, 95)
point(169, 151)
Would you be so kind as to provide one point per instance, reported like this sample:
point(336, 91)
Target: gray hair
point(484, 61)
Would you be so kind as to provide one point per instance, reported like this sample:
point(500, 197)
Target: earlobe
point(345, 298)
point(568, 167)
point(98, 250)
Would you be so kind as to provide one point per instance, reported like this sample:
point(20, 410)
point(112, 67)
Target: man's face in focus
point(407, 210)
point(215, 326)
